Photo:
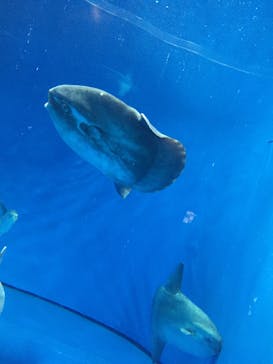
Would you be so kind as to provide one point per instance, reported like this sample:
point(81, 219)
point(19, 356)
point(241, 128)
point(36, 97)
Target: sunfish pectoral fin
point(186, 331)
point(123, 191)
point(158, 347)
point(174, 283)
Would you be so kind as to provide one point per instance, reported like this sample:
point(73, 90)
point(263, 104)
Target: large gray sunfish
point(115, 138)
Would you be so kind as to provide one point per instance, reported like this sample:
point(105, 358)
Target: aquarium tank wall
point(93, 239)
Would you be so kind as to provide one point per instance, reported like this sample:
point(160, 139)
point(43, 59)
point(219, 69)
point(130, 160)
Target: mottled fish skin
point(115, 138)
point(178, 321)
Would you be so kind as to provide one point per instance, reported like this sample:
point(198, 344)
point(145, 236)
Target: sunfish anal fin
point(123, 191)
point(174, 283)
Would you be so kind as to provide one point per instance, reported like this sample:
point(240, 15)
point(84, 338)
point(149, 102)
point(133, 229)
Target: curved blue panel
point(34, 330)
point(76, 241)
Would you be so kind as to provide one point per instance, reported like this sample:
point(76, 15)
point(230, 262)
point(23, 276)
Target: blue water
point(76, 241)
point(35, 331)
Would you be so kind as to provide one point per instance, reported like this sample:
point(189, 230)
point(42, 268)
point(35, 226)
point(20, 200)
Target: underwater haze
point(202, 73)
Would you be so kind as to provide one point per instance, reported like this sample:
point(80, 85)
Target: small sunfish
point(2, 291)
point(178, 321)
point(7, 219)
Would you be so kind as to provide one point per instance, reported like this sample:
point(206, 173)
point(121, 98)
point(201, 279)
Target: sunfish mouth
point(53, 97)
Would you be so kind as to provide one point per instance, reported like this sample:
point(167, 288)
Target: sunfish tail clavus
point(115, 138)
point(178, 321)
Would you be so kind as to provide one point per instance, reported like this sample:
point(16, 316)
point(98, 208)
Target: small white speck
point(125, 245)
point(249, 312)
point(213, 164)
point(255, 299)
point(37, 68)
point(189, 217)
point(101, 93)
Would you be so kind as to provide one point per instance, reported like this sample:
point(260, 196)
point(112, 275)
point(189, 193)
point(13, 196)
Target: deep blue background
point(76, 241)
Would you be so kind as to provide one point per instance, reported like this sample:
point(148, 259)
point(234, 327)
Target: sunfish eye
point(65, 107)
point(209, 340)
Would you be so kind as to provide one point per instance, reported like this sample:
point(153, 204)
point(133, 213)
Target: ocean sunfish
point(115, 138)
point(2, 291)
point(178, 321)
point(7, 218)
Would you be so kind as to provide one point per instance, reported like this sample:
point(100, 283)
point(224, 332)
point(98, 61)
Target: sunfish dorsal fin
point(174, 283)
point(123, 191)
